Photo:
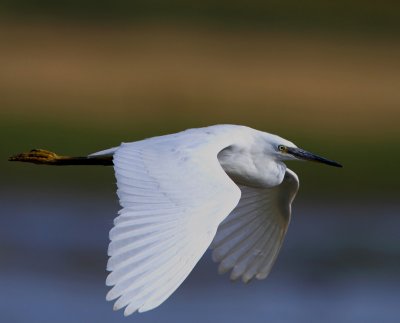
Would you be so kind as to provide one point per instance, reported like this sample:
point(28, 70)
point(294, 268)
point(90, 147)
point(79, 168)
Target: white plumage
point(249, 239)
point(222, 185)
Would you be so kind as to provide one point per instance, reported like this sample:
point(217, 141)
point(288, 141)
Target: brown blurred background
point(81, 76)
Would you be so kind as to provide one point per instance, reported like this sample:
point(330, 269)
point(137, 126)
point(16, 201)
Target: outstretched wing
point(249, 239)
point(173, 194)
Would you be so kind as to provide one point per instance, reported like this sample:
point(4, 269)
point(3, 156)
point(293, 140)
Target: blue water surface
point(340, 263)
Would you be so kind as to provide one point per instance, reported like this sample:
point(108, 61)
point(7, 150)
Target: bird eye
point(281, 148)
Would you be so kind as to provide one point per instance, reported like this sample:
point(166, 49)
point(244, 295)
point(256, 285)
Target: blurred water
point(340, 263)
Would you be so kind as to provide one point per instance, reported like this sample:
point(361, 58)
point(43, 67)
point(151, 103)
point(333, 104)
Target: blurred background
point(81, 76)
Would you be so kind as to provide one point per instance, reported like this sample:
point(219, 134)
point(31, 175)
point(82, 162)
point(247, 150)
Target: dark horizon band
point(305, 155)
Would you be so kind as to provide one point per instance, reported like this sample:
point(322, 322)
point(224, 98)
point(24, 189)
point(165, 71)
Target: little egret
point(224, 187)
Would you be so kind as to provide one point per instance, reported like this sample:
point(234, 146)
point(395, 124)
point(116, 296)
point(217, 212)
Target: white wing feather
point(171, 190)
point(249, 239)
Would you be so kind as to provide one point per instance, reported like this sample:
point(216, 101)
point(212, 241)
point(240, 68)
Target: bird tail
point(45, 157)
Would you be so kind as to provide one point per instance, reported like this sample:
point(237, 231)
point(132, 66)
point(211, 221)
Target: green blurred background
point(81, 76)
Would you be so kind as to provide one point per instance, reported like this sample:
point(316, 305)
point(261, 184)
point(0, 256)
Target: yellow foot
point(36, 156)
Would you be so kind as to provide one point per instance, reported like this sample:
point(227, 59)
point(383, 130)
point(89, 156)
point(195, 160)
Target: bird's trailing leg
point(45, 157)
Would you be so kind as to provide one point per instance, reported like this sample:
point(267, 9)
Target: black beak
point(305, 155)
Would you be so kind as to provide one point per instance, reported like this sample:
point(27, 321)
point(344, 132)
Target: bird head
point(286, 150)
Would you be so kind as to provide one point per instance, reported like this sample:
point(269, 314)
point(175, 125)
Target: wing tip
point(262, 275)
point(129, 311)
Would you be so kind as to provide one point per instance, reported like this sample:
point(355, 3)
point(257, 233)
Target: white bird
point(224, 186)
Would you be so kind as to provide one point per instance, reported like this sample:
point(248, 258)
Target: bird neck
point(252, 169)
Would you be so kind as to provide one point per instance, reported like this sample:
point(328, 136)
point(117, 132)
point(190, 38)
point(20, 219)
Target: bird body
point(223, 186)
point(246, 155)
